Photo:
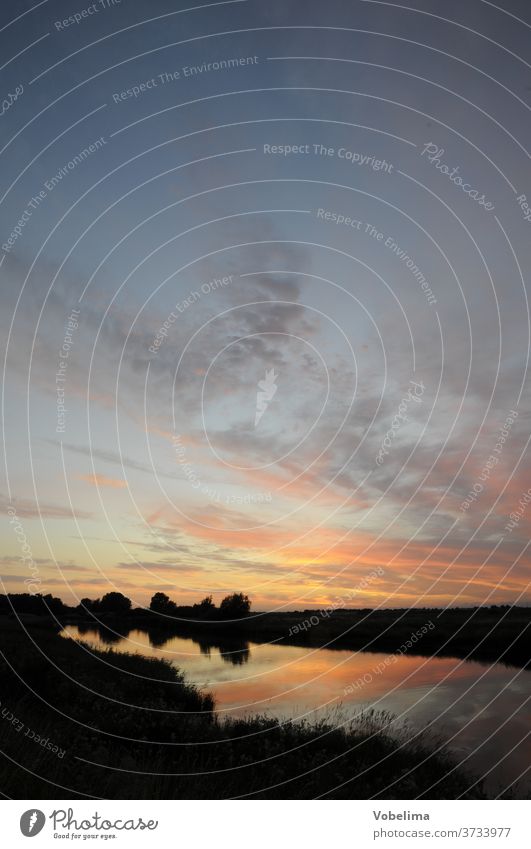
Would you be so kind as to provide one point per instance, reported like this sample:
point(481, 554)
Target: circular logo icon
point(31, 822)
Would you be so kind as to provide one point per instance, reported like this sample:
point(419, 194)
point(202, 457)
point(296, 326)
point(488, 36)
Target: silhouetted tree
point(38, 604)
point(235, 606)
point(161, 603)
point(206, 605)
point(114, 603)
point(86, 605)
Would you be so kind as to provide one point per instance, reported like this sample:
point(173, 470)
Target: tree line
point(233, 606)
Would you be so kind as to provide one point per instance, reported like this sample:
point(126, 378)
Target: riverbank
point(127, 726)
point(497, 634)
point(489, 634)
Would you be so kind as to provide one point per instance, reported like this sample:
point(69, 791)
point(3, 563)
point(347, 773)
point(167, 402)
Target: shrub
point(115, 603)
point(161, 603)
point(235, 606)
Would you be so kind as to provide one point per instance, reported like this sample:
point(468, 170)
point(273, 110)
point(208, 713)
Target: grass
point(130, 727)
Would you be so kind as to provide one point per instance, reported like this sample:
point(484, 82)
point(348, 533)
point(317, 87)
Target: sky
point(264, 301)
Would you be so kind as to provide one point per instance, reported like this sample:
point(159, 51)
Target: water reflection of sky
point(484, 711)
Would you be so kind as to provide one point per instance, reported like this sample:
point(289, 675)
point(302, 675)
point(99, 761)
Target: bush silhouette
point(235, 606)
point(206, 605)
point(38, 604)
point(86, 605)
point(161, 603)
point(114, 603)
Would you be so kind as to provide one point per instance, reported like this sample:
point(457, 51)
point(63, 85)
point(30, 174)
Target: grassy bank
point(130, 727)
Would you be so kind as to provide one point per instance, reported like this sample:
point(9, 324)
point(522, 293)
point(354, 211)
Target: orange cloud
point(103, 480)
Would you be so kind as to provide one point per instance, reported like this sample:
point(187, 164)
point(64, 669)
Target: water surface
point(482, 710)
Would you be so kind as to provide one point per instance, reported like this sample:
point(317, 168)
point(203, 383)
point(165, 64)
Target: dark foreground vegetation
point(77, 722)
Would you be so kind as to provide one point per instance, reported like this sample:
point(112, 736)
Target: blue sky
point(182, 226)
